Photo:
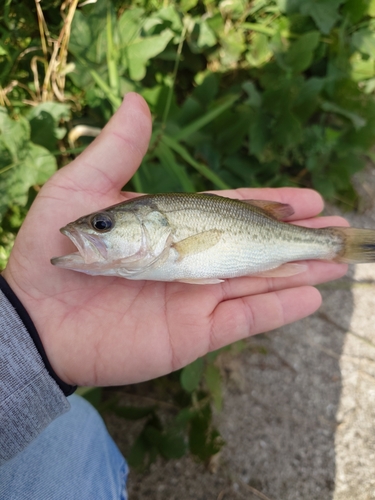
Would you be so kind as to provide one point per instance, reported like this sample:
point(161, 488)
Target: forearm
point(29, 397)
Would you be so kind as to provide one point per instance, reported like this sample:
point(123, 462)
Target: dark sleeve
point(29, 397)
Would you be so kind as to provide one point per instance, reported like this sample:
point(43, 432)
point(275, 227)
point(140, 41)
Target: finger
point(305, 202)
point(319, 222)
point(240, 318)
point(113, 157)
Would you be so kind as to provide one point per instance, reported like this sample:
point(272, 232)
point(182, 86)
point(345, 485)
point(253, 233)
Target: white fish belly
point(229, 260)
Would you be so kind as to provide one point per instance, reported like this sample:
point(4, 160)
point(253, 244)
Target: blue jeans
point(74, 458)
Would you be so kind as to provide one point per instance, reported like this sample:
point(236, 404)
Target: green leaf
point(244, 168)
point(14, 135)
point(287, 130)
point(200, 167)
point(88, 33)
point(206, 37)
point(34, 167)
point(167, 158)
point(371, 8)
point(233, 44)
point(346, 166)
point(210, 154)
point(141, 50)
point(153, 178)
point(44, 123)
point(138, 452)
point(216, 23)
point(156, 97)
point(324, 186)
point(306, 102)
point(324, 12)
point(169, 444)
point(212, 356)
point(301, 52)
point(172, 15)
point(206, 118)
point(233, 8)
point(183, 418)
point(259, 28)
point(134, 412)
point(259, 133)
point(207, 89)
point(255, 97)
point(213, 381)
point(80, 35)
point(129, 26)
point(230, 139)
point(22, 163)
point(58, 111)
point(114, 99)
point(204, 440)
point(190, 110)
point(186, 5)
point(191, 375)
point(260, 51)
point(172, 446)
point(355, 10)
point(362, 68)
point(42, 162)
point(364, 41)
point(112, 54)
point(357, 120)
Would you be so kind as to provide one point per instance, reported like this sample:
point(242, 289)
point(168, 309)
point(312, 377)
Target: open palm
point(108, 331)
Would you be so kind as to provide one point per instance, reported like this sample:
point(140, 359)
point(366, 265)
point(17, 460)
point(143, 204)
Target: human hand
point(111, 331)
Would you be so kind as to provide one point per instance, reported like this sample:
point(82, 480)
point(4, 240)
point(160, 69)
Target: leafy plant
point(261, 93)
point(192, 393)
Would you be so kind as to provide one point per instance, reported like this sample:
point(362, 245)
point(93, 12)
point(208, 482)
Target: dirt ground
point(298, 421)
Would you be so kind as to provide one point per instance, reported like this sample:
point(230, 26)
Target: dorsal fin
point(279, 211)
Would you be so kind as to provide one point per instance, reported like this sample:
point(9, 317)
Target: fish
point(201, 238)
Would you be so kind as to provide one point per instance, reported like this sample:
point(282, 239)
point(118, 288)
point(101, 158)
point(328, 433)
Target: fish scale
point(203, 238)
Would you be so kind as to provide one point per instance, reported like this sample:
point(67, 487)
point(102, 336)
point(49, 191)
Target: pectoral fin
point(279, 211)
point(289, 269)
point(197, 243)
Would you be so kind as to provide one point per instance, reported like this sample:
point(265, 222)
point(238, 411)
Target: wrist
point(27, 321)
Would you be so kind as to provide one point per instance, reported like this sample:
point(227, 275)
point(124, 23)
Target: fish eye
point(101, 222)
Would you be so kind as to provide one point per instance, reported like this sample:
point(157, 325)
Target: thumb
point(113, 157)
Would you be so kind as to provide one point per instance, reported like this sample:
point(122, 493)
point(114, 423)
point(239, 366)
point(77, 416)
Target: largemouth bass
point(203, 238)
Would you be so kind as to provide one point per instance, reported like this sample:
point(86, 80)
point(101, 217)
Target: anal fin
point(283, 271)
point(201, 281)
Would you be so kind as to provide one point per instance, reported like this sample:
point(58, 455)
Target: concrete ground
point(299, 419)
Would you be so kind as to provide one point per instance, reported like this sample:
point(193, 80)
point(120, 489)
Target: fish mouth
point(91, 250)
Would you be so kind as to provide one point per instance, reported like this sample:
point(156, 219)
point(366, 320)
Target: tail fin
point(359, 245)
